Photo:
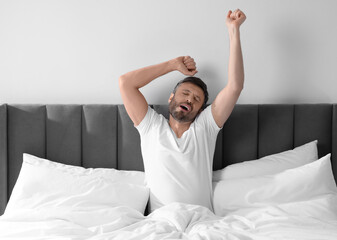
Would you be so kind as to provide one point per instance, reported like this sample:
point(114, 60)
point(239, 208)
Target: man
point(178, 153)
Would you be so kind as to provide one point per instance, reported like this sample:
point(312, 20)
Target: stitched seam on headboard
point(332, 133)
point(81, 135)
point(6, 155)
point(293, 126)
point(45, 131)
point(222, 146)
point(117, 131)
point(333, 152)
point(258, 132)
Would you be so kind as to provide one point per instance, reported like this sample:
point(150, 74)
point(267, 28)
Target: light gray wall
point(73, 51)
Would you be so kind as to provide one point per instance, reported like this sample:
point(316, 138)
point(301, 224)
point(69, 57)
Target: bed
point(78, 141)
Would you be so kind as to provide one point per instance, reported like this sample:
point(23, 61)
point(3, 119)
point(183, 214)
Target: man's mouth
point(185, 107)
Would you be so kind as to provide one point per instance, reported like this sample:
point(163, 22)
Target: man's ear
point(170, 99)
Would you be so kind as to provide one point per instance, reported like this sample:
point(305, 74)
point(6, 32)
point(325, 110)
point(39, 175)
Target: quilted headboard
point(102, 135)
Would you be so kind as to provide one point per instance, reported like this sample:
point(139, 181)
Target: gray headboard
point(102, 135)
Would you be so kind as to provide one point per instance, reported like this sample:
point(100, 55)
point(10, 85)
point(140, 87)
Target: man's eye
point(185, 93)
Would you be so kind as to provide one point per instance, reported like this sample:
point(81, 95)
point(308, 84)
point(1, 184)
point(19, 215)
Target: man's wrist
point(172, 64)
point(234, 33)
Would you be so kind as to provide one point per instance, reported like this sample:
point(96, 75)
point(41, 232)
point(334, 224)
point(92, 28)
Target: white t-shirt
point(178, 169)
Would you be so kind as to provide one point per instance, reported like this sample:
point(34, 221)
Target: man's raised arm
point(227, 98)
point(129, 84)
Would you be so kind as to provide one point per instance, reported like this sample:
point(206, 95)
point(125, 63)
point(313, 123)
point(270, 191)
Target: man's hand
point(235, 19)
point(186, 65)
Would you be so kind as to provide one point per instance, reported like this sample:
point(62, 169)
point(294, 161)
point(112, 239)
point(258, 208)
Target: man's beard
point(180, 116)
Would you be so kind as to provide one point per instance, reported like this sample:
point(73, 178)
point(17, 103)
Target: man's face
point(186, 103)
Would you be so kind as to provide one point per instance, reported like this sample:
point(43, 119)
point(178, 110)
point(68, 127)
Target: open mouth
point(185, 107)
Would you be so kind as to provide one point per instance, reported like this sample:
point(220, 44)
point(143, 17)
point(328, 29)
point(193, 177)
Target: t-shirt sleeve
point(206, 120)
point(151, 118)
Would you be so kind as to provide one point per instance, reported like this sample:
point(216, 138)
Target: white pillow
point(270, 164)
point(292, 185)
point(133, 177)
point(43, 183)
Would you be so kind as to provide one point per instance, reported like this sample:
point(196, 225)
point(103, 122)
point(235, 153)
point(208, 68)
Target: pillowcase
point(43, 183)
point(270, 164)
point(292, 185)
point(133, 177)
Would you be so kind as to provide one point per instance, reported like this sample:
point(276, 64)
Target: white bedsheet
point(314, 219)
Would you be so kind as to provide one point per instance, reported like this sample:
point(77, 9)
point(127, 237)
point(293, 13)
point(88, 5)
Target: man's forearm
point(141, 77)
point(235, 68)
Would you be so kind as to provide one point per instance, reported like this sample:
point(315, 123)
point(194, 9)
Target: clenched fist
point(235, 19)
point(186, 65)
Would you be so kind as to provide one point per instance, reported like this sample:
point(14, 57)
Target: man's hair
point(198, 82)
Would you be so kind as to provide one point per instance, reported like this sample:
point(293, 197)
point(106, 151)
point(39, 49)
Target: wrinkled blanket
point(314, 219)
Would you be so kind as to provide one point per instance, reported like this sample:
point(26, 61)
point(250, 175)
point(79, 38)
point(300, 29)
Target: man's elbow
point(239, 88)
point(126, 82)
point(122, 81)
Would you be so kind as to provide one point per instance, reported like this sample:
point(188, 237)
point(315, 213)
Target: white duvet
point(314, 219)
